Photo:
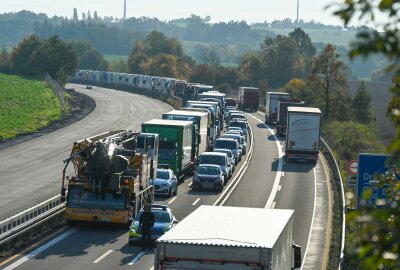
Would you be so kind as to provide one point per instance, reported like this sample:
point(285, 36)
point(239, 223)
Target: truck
point(271, 105)
point(175, 145)
point(248, 98)
point(215, 115)
point(231, 102)
point(201, 122)
point(218, 104)
point(112, 176)
point(214, 95)
point(281, 119)
point(207, 239)
point(302, 134)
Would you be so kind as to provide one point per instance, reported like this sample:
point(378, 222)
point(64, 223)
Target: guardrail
point(343, 202)
point(16, 225)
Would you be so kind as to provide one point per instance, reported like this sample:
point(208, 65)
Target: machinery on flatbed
point(112, 174)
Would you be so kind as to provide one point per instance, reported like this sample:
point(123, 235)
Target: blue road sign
point(368, 166)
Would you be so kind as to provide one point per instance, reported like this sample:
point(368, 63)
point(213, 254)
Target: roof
point(168, 122)
point(278, 93)
point(215, 225)
point(213, 154)
point(304, 109)
point(187, 112)
point(212, 94)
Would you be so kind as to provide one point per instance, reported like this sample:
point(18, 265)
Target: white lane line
point(279, 188)
point(279, 172)
point(172, 200)
point(140, 255)
point(151, 268)
point(312, 220)
point(273, 205)
point(283, 174)
point(39, 250)
point(196, 201)
point(103, 256)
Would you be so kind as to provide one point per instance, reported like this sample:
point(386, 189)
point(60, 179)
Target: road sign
point(352, 167)
point(368, 166)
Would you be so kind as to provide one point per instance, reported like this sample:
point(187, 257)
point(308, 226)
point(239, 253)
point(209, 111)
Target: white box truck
point(211, 238)
point(271, 105)
point(302, 134)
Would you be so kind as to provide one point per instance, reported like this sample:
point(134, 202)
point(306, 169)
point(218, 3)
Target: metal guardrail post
point(341, 258)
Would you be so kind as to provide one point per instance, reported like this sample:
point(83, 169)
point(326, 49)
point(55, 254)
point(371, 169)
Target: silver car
point(220, 159)
point(230, 156)
point(166, 182)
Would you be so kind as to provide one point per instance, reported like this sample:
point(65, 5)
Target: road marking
point(196, 201)
point(190, 184)
point(172, 200)
point(283, 174)
point(312, 220)
point(140, 255)
point(279, 172)
point(273, 205)
point(151, 268)
point(279, 188)
point(39, 250)
point(103, 256)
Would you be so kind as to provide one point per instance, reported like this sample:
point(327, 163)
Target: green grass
point(111, 58)
point(26, 105)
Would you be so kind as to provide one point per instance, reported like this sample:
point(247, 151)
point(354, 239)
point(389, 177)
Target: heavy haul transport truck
point(111, 181)
point(271, 105)
point(177, 138)
point(281, 120)
point(201, 122)
point(302, 134)
point(196, 243)
point(248, 98)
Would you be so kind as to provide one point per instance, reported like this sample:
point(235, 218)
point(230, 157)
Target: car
point(88, 87)
point(242, 124)
point(230, 156)
point(166, 183)
point(239, 131)
point(208, 176)
point(239, 139)
point(164, 220)
point(230, 144)
point(238, 116)
point(220, 159)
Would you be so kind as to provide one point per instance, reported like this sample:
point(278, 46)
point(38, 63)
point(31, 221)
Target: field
point(26, 105)
point(380, 99)
point(111, 58)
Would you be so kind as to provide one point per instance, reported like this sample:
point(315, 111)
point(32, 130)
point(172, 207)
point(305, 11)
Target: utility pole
point(124, 10)
point(297, 20)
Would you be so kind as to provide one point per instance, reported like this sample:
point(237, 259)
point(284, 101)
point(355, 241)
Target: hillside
point(26, 105)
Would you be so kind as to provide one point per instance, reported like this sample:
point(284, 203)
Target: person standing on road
point(146, 223)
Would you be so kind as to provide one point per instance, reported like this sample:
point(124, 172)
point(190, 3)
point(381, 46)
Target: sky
point(219, 10)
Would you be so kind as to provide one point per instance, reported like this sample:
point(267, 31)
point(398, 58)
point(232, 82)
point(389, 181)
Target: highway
point(267, 182)
point(31, 171)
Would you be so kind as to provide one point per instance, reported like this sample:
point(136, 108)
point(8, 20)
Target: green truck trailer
point(175, 145)
point(202, 123)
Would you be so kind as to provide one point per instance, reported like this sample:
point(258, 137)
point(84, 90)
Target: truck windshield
point(166, 153)
point(80, 198)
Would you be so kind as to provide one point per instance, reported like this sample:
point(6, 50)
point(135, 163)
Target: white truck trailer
point(271, 105)
point(302, 134)
point(212, 238)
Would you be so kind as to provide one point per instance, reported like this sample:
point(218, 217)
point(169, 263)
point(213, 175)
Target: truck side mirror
point(297, 256)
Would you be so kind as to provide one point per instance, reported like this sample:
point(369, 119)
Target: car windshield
point(229, 153)
point(225, 144)
point(211, 159)
point(208, 170)
point(159, 216)
point(162, 174)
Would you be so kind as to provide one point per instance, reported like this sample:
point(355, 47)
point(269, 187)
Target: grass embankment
point(26, 105)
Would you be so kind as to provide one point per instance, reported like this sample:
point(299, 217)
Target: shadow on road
point(261, 126)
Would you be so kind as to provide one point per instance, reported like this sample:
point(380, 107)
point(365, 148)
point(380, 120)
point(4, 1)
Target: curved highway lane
point(31, 171)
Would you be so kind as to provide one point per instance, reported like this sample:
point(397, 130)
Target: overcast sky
point(219, 10)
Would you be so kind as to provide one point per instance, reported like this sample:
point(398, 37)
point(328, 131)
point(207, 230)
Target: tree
point(4, 60)
point(95, 16)
point(281, 60)
point(118, 65)
point(211, 59)
point(75, 16)
point(89, 17)
point(329, 84)
point(362, 105)
point(83, 16)
point(303, 42)
point(92, 59)
point(379, 238)
point(250, 67)
point(21, 61)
